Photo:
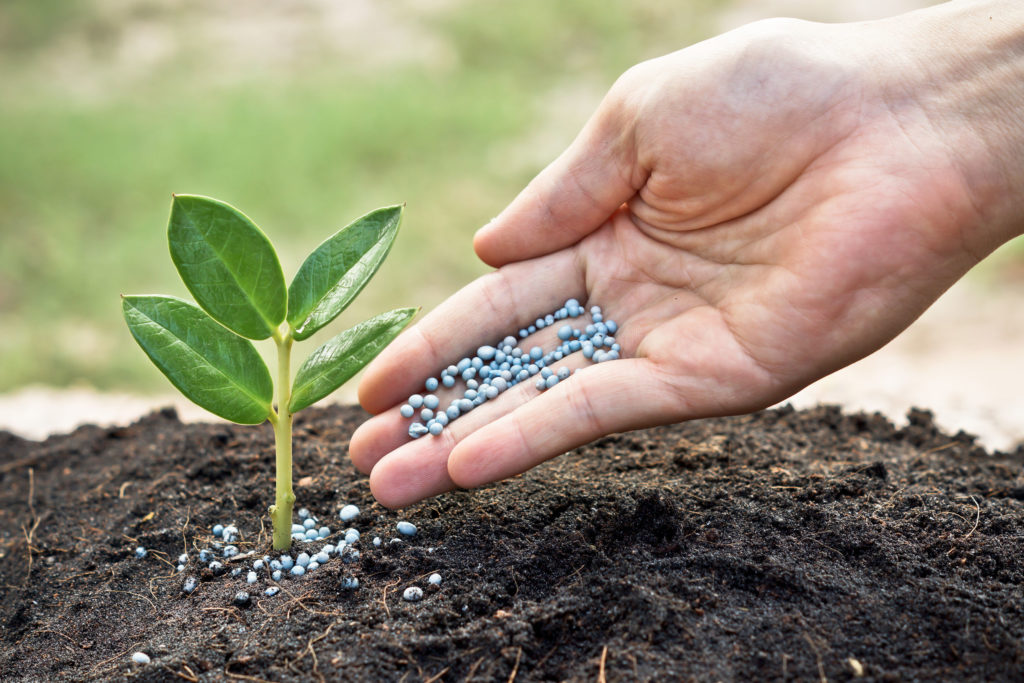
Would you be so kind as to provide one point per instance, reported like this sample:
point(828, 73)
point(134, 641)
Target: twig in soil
point(184, 527)
point(259, 539)
point(384, 596)
point(156, 484)
point(291, 667)
point(891, 500)
point(298, 601)
point(21, 462)
point(955, 514)
point(159, 579)
point(575, 573)
point(240, 557)
point(92, 672)
point(162, 557)
point(600, 671)
point(95, 491)
point(549, 653)
point(438, 675)
point(472, 669)
point(827, 547)
point(30, 531)
point(243, 676)
point(817, 655)
point(976, 519)
point(192, 678)
point(46, 630)
point(233, 611)
point(632, 658)
point(72, 577)
point(515, 668)
point(312, 652)
point(111, 590)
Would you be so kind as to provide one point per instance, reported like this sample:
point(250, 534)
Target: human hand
point(755, 211)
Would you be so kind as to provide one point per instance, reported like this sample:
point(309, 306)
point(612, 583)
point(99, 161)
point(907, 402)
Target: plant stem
point(281, 510)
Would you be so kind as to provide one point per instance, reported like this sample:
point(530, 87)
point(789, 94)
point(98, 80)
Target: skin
point(755, 211)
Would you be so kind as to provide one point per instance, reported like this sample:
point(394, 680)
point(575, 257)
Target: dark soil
point(778, 546)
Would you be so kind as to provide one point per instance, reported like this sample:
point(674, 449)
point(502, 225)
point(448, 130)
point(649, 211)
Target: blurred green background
point(302, 114)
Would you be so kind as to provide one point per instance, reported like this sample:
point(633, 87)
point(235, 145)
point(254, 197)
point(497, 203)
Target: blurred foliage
point(107, 107)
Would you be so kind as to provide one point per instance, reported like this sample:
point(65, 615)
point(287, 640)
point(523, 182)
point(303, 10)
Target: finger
point(376, 437)
point(388, 431)
point(485, 311)
point(418, 469)
point(573, 196)
point(602, 399)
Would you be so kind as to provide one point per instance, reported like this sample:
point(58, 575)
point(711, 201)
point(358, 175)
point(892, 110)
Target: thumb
point(573, 196)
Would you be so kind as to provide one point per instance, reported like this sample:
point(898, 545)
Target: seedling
point(232, 270)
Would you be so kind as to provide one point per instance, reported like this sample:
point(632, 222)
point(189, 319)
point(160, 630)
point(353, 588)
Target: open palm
point(755, 212)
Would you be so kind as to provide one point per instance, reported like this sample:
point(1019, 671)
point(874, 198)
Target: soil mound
point(784, 545)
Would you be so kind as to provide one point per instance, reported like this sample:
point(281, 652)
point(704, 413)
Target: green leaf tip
point(339, 359)
point(337, 270)
point(228, 264)
point(209, 364)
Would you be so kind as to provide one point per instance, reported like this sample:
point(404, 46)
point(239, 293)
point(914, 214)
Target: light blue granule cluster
point(271, 570)
point(307, 530)
point(496, 369)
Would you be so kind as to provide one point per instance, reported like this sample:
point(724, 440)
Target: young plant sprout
point(232, 270)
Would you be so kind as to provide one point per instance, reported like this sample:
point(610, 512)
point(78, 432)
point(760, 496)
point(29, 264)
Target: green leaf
point(338, 270)
point(228, 264)
point(338, 360)
point(210, 365)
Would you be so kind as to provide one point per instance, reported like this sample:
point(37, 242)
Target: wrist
point(965, 73)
